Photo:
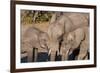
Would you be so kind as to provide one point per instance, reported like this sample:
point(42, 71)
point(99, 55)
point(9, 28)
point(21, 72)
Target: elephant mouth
point(44, 47)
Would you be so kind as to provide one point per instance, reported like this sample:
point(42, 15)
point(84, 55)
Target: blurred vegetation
point(30, 16)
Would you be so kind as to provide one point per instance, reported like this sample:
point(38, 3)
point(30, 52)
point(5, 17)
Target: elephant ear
point(70, 37)
point(43, 40)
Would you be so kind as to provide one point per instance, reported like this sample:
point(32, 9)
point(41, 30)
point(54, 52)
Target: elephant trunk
point(65, 55)
point(52, 56)
point(30, 55)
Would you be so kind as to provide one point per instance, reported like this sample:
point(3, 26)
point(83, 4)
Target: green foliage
point(30, 16)
point(27, 20)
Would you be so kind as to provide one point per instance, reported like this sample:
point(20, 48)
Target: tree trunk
point(35, 15)
point(53, 18)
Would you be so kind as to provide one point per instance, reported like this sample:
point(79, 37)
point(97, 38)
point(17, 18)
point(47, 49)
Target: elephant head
point(51, 45)
point(53, 49)
point(43, 40)
point(66, 46)
point(33, 39)
point(72, 41)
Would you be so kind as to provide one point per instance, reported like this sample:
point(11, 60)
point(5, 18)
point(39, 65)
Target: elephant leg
point(66, 56)
point(35, 54)
point(86, 58)
point(52, 56)
point(82, 55)
point(84, 46)
point(30, 55)
point(63, 57)
point(83, 51)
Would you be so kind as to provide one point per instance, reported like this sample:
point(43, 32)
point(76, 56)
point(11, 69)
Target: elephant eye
point(44, 40)
point(66, 43)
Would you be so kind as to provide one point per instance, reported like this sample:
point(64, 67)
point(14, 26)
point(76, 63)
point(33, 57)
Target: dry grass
point(41, 26)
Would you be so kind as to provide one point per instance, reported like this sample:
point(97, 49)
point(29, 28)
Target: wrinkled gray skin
point(84, 46)
point(55, 31)
point(64, 24)
point(33, 38)
point(76, 38)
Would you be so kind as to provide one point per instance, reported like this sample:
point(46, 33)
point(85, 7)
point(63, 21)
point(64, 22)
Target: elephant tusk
point(49, 52)
point(68, 51)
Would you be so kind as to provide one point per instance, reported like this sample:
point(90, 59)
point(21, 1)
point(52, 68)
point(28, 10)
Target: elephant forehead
point(68, 46)
point(55, 30)
point(53, 44)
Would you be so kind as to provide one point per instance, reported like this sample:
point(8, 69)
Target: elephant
point(33, 38)
point(73, 40)
point(63, 24)
point(55, 31)
point(75, 20)
point(84, 47)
